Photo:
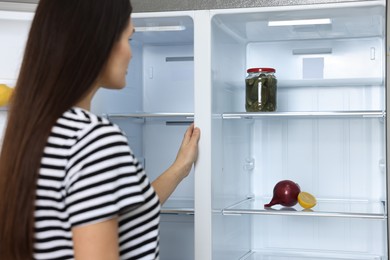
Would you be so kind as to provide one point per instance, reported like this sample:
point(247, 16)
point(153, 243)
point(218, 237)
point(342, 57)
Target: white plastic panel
point(228, 62)
point(340, 58)
point(235, 183)
point(168, 79)
point(177, 237)
point(331, 158)
point(14, 28)
point(160, 77)
point(348, 77)
point(232, 240)
point(113, 101)
point(318, 238)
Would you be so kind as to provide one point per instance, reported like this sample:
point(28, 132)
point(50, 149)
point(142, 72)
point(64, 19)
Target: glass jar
point(260, 91)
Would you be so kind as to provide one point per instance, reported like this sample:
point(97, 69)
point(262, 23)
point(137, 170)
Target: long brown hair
point(68, 45)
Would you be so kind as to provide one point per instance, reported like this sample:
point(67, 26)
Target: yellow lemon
point(5, 94)
point(306, 200)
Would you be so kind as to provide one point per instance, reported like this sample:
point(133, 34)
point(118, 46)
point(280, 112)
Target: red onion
point(285, 193)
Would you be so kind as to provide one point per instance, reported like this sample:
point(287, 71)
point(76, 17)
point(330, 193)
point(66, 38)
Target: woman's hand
point(188, 152)
point(167, 182)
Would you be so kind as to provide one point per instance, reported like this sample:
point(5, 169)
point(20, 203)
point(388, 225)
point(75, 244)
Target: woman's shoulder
point(78, 128)
point(83, 116)
point(81, 122)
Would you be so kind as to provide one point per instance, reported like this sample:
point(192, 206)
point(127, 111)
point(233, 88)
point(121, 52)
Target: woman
point(70, 187)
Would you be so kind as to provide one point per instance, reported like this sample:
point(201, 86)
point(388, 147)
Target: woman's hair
point(68, 46)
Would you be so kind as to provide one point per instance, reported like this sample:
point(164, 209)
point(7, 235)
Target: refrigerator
point(328, 133)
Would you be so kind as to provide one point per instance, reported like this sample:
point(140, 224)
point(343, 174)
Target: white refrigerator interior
point(154, 110)
point(327, 135)
point(14, 27)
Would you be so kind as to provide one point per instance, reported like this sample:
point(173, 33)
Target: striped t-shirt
point(89, 174)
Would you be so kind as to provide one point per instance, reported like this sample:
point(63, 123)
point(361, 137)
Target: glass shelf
point(306, 114)
point(347, 82)
point(151, 115)
point(324, 208)
point(178, 206)
point(281, 254)
point(169, 118)
point(314, 83)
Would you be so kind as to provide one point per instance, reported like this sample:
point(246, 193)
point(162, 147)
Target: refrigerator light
point(299, 22)
point(160, 28)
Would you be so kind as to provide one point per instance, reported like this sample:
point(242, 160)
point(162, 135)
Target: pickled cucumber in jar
point(260, 90)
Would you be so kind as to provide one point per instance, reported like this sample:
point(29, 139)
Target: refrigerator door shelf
point(338, 208)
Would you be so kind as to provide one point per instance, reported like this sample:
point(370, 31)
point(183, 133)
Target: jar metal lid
point(252, 70)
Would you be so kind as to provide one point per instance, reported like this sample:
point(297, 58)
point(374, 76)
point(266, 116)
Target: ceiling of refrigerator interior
point(178, 5)
point(163, 30)
point(356, 22)
point(21, 1)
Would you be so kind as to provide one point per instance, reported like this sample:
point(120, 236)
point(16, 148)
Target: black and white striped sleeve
point(103, 177)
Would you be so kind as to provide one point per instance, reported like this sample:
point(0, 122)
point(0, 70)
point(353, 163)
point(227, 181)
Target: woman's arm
point(167, 182)
point(96, 241)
